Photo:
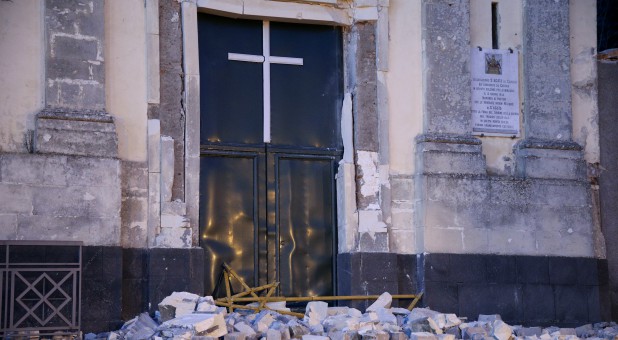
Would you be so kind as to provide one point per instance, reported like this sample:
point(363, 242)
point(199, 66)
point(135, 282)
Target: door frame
point(287, 12)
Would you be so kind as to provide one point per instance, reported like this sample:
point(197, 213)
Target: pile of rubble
point(188, 316)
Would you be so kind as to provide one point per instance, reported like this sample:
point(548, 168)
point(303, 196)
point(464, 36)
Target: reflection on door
point(270, 99)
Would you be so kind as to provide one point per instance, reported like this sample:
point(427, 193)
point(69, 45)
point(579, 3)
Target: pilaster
point(548, 150)
point(447, 156)
point(74, 121)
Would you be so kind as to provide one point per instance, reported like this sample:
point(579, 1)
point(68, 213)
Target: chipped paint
point(370, 221)
point(367, 162)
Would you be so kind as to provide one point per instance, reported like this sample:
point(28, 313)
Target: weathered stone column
point(446, 33)
point(74, 121)
point(548, 150)
point(448, 158)
point(447, 125)
point(363, 73)
point(363, 184)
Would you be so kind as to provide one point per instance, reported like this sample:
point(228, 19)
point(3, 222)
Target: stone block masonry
point(528, 290)
point(74, 121)
point(467, 214)
point(51, 197)
point(75, 70)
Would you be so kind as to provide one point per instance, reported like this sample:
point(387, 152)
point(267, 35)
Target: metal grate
point(40, 284)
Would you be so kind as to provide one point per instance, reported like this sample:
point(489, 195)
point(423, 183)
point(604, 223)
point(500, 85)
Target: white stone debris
point(500, 330)
point(212, 325)
point(316, 312)
point(177, 304)
point(206, 304)
point(384, 301)
point(244, 328)
point(198, 318)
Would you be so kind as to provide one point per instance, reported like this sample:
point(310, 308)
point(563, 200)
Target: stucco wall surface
point(404, 81)
point(21, 67)
point(125, 71)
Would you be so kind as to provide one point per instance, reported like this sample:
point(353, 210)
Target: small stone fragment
point(142, 327)
point(234, 336)
point(273, 334)
point(500, 330)
point(585, 331)
point(399, 311)
point(529, 331)
point(383, 301)
point(455, 331)
point(423, 336)
point(314, 337)
point(451, 320)
point(474, 333)
point(244, 328)
point(201, 324)
point(337, 310)
point(316, 312)
point(375, 335)
point(263, 321)
point(446, 337)
point(568, 331)
point(206, 304)
point(297, 329)
point(277, 306)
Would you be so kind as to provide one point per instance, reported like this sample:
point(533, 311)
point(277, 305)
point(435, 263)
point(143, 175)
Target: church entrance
point(270, 104)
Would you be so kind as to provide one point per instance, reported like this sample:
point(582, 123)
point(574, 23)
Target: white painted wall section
point(404, 81)
point(22, 57)
point(125, 73)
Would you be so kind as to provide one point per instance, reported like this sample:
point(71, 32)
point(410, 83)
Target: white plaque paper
point(495, 93)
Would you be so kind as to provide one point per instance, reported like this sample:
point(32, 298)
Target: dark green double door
point(270, 99)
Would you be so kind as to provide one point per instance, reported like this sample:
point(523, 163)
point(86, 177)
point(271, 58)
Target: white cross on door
point(266, 59)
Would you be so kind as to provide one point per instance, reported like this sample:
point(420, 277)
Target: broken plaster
point(367, 162)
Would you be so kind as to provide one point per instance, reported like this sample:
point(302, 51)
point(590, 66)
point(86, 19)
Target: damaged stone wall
point(170, 110)
point(58, 197)
point(57, 193)
point(366, 220)
point(168, 225)
point(463, 209)
point(469, 218)
point(68, 186)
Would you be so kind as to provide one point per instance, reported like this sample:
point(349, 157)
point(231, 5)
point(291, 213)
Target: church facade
point(350, 147)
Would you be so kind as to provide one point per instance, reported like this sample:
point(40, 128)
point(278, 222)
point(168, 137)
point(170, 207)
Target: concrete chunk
point(177, 304)
point(384, 301)
point(314, 337)
point(273, 334)
point(200, 324)
point(263, 321)
point(244, 328)
point(529, 331)
point(422, 336)
point(316, 312)
point(474, 333)
point(500, 330)
point(235, 336)
point(206, 304)
point(141, 327)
